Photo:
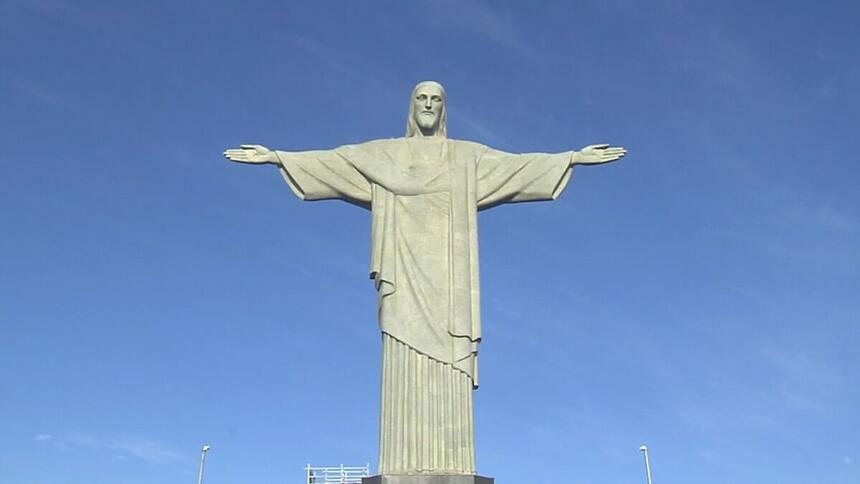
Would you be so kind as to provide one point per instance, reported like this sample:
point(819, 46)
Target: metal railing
point(336, 475)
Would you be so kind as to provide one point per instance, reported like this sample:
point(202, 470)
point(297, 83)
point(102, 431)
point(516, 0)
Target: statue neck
point(429, 132)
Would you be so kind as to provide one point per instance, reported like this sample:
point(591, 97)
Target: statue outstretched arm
point(312, 175)
point(521, 177)
point(513, 178)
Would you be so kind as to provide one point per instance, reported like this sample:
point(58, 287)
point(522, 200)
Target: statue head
point(427, 113)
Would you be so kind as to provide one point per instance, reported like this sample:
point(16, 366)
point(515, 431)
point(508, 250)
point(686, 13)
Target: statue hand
point(252, 154)
point(598, 154)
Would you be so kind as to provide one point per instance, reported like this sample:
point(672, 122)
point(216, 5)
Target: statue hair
point(412, 128)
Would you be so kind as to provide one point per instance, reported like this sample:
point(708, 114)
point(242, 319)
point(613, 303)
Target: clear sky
point(701, 296)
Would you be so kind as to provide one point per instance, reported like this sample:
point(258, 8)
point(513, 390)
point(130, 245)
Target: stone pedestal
point(426, 479)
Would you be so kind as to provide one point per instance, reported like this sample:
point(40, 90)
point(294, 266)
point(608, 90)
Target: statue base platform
point(426, 479)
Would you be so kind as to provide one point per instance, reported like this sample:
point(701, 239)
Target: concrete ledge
point(426, 479)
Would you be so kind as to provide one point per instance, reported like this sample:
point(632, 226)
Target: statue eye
point(437, 98)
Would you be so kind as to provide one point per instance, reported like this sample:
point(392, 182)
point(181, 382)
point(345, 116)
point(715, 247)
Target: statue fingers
point(257, 148)
point(235, 154)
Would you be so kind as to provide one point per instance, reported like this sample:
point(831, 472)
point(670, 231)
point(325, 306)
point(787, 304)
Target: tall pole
point(202, 463)
point(644, 450)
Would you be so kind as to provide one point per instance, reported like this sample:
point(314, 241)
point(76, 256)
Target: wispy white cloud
point(57, 442)
point(494, 24)
point(810, 228)
point(328, 55)
point(720, 58)
point(740, 408)
point(125, 447)
point(46, 7)
point(46, 95)
point(787, 384)
point(800, 381)
point(611, 7)
point(799, 228)
point(477, 129)
point(345, 69)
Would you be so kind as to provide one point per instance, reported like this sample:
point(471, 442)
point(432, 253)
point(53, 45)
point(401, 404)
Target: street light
point(644, 450)
point(203, 452)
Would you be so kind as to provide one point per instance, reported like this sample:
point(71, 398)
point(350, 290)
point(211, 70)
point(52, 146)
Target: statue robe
point(424, 194)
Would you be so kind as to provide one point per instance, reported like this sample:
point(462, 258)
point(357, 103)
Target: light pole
point(203, 452)
point(644, 450)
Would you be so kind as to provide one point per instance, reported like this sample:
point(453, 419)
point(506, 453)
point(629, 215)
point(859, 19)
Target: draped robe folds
point(424, 194)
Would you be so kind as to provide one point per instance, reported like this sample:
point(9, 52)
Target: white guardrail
point(336, 475)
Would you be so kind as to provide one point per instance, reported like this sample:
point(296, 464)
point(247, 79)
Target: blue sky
point(700, 296)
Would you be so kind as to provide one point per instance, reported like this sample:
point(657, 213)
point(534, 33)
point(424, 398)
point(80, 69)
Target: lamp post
point(644, 450)
point(203, 452)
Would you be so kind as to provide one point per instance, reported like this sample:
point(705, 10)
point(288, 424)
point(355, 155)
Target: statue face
point(427, 105)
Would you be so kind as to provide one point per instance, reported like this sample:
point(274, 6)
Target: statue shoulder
point(373, 146)
point(467, 146)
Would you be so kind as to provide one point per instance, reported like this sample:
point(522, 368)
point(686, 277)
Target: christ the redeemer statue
point(425, 191)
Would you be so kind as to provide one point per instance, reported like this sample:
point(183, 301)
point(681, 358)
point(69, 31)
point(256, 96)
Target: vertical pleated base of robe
point(427, 424)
